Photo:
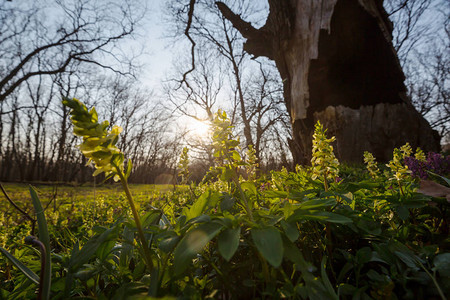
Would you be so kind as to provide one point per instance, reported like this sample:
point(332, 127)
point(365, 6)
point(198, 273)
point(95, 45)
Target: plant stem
point(238, 185)
point(401, 189)
point(24, 213)
point(32, 240)
point(433, 278)
point(137, 220)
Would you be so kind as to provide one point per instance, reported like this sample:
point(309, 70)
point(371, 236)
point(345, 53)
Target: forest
point(289, 149)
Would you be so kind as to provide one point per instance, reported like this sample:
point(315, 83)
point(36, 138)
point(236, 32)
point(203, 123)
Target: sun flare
point(199, 129)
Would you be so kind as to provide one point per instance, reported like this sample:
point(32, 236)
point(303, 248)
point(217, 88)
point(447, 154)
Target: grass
point(19, 192)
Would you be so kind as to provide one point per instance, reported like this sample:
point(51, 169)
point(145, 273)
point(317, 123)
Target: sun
point(199, 129)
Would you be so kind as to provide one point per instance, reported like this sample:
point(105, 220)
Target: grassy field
point(19, 192)
point(71, 207)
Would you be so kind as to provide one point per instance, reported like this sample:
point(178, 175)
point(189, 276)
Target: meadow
point(325, 231)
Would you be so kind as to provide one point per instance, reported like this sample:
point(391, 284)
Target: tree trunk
point(338, 65)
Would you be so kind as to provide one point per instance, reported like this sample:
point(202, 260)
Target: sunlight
point(199, 129)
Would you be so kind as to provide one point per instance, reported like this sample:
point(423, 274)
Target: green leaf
point(227, 202)
point(447, 181)
point(356, 186)
point(45, 239)
point(90, 248)
point(129, 168)
point(127, 246)
point(364, 255)
point(402, 212)
point(290, 230)
point(227, 174)
point(314, 286)
point(104, 249)
point(228, 242)
point(202, 202)
point(169, 243)
point(269, 243)
point(442, 264)
point(69, 276)
point(249, 186)
point(19, 265)
point(334, 218)
point(408, 259)
point(192, 243)
point(276, 194)
point(317, 203)
point(236, 156)
point(322, 216)
point(300, 215)
point(326, 282)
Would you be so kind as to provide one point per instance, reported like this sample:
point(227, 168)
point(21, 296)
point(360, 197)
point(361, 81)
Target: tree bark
point(337, 56)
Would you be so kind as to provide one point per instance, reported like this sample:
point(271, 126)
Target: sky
point(158, 47)
point(159, 54)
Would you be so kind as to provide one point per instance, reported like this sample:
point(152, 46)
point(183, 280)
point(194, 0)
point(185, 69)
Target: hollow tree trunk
point(338, 65)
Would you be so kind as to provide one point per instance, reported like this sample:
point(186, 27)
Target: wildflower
point(223, 143)
point(417, 167)
point(183, 164)
point(324, 163)
point(264, 186)
point(252, 163)
point(99, 144)
point(406, 150)
point(372, 167)
point(438, 164)
point(420, 156)
point(399, 170)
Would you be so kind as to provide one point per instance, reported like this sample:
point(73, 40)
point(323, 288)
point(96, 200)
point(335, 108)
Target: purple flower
point(438, 164)
point(435, 163)
point(417, 167)
point(264, 186)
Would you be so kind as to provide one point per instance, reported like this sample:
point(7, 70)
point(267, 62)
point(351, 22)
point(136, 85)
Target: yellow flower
point(406, 150)
point(399, 170)
point(99, 144)
point(183, 164)
point(251, 163)
point(420, 155)
point(371, 164)
point(323, 161)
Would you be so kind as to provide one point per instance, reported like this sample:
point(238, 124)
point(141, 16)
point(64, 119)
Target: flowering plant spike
point(183, 165)
point(399, 170)
point(99, 144)
point(420, 155)
point(371, 164)
point(406, 150)
point(324, 162)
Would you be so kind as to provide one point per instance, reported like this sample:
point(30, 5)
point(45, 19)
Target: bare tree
point(79, 32)
point(250, 89)
point(267, 116)
point(408, 30)
point(422, 39)
point(198, 94)
point(333, 70)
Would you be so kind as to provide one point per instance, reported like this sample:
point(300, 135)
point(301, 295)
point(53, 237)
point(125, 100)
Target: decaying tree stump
point(337, 64)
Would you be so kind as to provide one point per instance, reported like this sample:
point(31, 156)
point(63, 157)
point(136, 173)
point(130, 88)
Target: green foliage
point(297, 235)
